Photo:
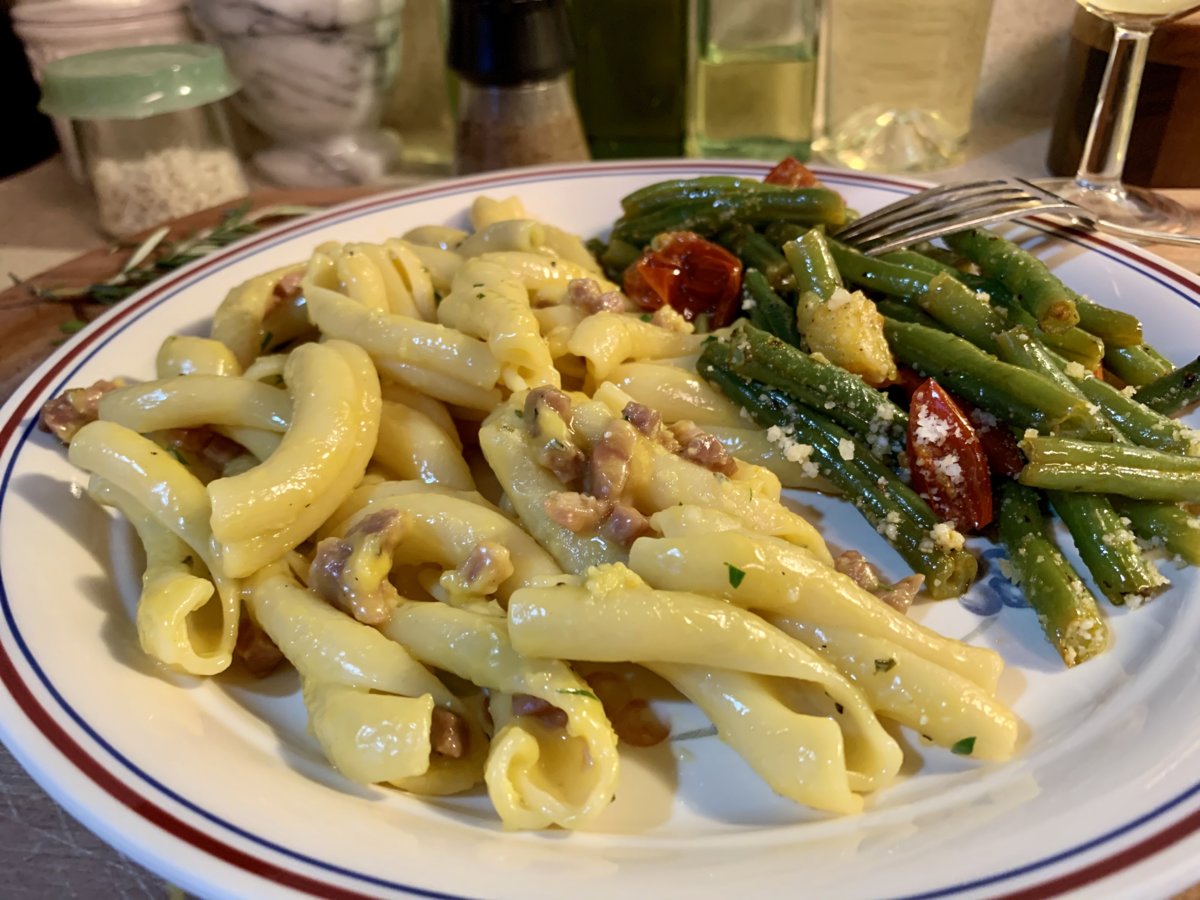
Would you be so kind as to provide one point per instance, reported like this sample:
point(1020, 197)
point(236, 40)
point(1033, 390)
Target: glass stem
point(1103, 157)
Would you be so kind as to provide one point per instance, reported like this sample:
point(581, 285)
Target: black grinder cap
point(506, 42)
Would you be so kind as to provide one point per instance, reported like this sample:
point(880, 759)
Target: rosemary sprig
point(156, 256)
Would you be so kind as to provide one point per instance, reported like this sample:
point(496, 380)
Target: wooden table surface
point(44, 851)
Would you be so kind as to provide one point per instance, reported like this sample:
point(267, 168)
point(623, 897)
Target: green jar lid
point(135, 82)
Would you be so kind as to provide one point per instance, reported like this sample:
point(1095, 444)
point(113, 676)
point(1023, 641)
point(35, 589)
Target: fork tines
point(947, 209)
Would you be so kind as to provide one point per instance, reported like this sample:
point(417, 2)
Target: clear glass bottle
point(154, 140)
point(899, 79)
point(754, 78)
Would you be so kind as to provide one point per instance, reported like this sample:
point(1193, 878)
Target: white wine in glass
point(1097, 185)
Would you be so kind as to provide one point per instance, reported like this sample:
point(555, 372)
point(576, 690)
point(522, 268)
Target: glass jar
point(754, 78)
point(154, 140)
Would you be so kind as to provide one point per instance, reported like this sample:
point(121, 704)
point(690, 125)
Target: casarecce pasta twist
point(441, 474)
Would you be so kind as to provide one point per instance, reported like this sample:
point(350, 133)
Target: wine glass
point(1097, 184)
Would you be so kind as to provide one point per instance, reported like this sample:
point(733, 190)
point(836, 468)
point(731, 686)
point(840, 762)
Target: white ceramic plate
point(217, 786)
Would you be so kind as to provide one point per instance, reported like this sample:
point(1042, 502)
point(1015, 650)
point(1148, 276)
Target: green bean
point(1134, 365)
point(710, 214)
point(885, 501)
point(1115, 328)
point(960, 309)
point(842, 396)
point(812, 264)
point(1164, 524)
point(779, 233)
point(756, 252)
point(1042, 449)
point(1107, 547)
point(1019, 347)
point(1067, 611)
point(768, 310)
point(870, 272)
point(1074, 343)
point(919, 261)
point(902, 312)
point(1136, 421)
point(1170, 393)
point(616, 257)
point(669, 193)
point(1052, 304)
point(1067, 465)
point(1020, 397)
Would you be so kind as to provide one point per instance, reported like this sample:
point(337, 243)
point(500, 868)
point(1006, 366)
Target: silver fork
point(956, 207)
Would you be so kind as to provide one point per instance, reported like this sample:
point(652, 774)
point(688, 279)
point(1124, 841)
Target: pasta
point(441, 474)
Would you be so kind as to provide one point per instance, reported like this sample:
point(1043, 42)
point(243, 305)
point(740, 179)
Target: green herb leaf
point(578, 692)
point(266, 340)
point(735, 575)
point(479, 296)
point(179, 456)
point(964, 747)
point(72, 326)
point(885, 665)
point(646, 317)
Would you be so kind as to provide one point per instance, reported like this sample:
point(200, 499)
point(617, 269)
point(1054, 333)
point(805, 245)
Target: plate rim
point(16, 425)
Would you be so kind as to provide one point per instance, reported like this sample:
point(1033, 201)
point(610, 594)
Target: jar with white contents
point(154, 139)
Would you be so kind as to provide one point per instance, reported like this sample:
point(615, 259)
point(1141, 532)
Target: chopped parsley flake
point(964, 747)
point(179, 456)
point(580, 692)
point(735, 575)
point(479, 296)
point(265, 341)
point(646, 317)
point(885, 665)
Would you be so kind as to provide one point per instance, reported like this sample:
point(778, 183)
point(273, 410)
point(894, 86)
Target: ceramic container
point(314, 76)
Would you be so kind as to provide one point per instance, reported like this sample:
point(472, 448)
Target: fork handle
point(1148, 235)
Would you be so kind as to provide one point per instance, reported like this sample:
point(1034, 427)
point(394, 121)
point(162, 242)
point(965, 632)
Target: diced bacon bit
point(576, 512)
point(586, 294)
point(333, 577)
point(624, 525)
point(642, 417)
point(254, 648)
point(638, 725)
point(632, 719)
point(549, 398)
point(486, 567)
point(702, 448)
point(900, 596)
point(611, 457)
point(287, 288)
point(612, 690)
point(71, 410)
point(560, 454)
point(667, 318)
point(542, 710)
point(853, 564)
point(202, 445)
point(448, 733)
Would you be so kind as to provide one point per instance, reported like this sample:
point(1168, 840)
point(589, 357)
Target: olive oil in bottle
point(754, 81)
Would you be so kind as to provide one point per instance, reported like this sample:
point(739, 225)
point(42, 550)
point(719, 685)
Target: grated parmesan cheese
point(950, 467)
point(930, 429)
point(946, 537)
point(846, 449)
point(1075, 370)
point(135, 194)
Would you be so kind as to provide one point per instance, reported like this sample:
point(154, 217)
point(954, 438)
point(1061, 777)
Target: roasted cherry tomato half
point(948, 465)
point(791, 173)
point(693, 276)
point(999, 446)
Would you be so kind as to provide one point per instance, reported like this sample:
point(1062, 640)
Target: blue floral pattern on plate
point(996, 592)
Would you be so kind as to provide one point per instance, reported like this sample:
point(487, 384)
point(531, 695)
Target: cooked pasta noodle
point(435, 476)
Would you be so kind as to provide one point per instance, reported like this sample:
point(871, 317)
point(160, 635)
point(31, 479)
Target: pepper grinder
point(515, 106)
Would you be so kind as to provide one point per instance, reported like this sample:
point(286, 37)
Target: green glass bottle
point(631, 75)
